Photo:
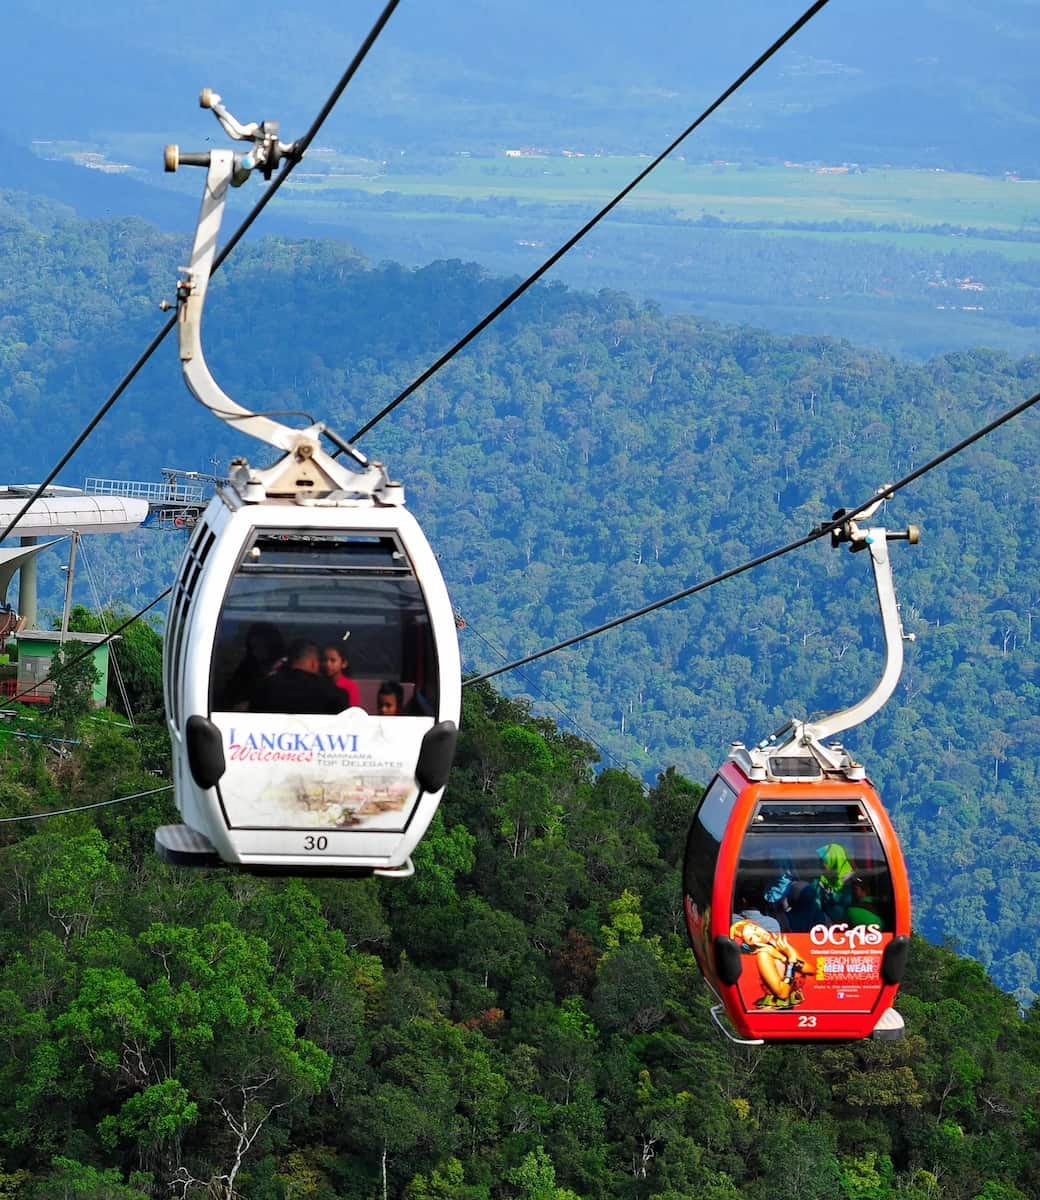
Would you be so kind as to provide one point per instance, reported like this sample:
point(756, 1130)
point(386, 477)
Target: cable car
point(293, 570)
point(796, 895)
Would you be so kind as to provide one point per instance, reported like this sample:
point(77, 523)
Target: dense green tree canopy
point(524, 1018)
point(521, 1019)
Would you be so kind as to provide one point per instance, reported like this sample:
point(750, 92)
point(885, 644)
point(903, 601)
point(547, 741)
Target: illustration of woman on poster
point(779, 965)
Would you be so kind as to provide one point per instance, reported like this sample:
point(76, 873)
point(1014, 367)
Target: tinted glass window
point(355, 594)
point(812, 863)
point(702, 846)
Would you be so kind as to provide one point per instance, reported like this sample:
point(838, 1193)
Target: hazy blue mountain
point(941, 82)
point(92, 193)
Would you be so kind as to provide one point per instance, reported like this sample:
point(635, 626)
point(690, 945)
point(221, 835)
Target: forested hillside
point(521, 1020)
point(586, 456)
point(900, 286)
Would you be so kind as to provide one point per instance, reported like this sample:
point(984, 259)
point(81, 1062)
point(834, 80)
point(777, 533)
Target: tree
point(445, 1182)
point(194, 1029)
point(535, 1179)
point(72, 1180)
point(136, 659)
point(74, 678)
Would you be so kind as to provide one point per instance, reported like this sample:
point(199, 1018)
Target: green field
point(902, 207)
point(728, 192)
point(876, 256)
point(883, 257)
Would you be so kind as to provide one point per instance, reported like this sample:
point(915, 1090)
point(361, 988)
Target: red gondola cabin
point(796, 896)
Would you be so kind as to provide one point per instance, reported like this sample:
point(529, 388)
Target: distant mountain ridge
point(940, 83)
point(93, 194)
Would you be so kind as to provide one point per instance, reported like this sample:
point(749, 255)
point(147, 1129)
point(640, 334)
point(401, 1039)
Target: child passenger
point(390, 699)
point(334, 665)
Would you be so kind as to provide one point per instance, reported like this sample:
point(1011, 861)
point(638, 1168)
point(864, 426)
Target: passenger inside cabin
point(789, 899)
point(749, 907)
point(390, 699)
point(793, 901)
point(777, 891)
point(834, 886)
point(265, 651)
point(418, 705)
point(865, 909)
point(334, 664)
point(299, 686)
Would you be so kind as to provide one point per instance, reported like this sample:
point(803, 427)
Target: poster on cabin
point(830, 968)
point(347, 771)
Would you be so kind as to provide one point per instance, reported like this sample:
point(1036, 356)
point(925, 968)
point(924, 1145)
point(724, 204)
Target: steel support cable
point(547, 699)
point(648, 608)
point(299, 149)
point(89, 428)
point(821, 531)
point(554, 258)
point(63, 812)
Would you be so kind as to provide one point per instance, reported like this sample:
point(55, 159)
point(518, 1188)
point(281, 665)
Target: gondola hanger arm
point(875, 540)
point(320, 477)
point(210, 99)
point(224, 169)
point(798, 735)
point(192, 288)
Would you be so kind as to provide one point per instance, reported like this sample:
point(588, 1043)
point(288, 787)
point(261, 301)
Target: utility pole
point(69, 572)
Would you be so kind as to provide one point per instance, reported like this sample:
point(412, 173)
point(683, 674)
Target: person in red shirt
point(334, 665)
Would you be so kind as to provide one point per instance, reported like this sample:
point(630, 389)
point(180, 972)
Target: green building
point(36, 649)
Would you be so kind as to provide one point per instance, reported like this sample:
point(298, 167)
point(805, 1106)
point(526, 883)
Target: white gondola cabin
point(293, 570)
point(264, 771)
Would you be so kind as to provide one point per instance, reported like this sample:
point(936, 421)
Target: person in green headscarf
point(834, 886)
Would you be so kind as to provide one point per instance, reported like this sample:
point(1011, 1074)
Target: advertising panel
point(831, 968)
point(316, 771)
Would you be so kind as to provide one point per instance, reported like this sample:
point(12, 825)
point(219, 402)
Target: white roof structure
point(59, 512)
point(11, 560)
point(68, 510)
